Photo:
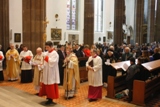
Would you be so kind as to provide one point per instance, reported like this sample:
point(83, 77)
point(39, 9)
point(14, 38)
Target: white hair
point(111, 47)
point(39, 49)
point(11, 44)
point(127, 48)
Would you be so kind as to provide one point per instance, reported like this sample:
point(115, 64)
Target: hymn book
point(91, 63)
point(125, 66)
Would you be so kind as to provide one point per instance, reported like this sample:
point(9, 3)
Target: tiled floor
point(79, 101)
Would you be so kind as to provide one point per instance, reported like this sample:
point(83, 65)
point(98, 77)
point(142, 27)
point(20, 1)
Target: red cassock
point(95, 92)
point(51, 91)
point(27, 59)
point(87, 52)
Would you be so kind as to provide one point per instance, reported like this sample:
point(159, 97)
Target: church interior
point(109, 26)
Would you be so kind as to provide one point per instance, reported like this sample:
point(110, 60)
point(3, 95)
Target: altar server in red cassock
point(94, 66)
point(50, 76)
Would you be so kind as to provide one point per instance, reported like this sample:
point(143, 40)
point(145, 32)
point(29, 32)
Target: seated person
point(156, 55)
point(127, 55)
point(131, 72)
point(108, 70)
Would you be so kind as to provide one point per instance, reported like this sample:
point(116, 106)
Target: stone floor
point(12, 97)
point(79, 101)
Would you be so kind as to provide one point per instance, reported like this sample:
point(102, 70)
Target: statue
point(44, 34)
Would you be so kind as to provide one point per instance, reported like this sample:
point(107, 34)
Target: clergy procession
point(60, 66)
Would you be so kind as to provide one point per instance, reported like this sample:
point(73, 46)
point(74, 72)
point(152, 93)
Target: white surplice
point(25, 65)
point(95, 75)
point(51, 69)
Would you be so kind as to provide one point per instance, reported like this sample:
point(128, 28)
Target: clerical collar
point(94, 56)
point(50, 50)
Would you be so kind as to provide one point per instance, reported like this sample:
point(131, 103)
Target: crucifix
point(45, 25)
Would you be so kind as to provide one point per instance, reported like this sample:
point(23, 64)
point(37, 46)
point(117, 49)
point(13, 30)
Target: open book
point(125, 66)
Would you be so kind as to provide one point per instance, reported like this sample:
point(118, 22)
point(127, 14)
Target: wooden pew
point(82, 69)
point(116, 84)
point(143, 90)
point(151, 66)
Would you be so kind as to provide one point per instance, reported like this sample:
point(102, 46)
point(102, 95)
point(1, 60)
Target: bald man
point(37, 62)
point(127, 54)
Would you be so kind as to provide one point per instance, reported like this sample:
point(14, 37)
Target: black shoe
point(37, 94)
point(50, 102)
point(60, 84)
point(91, 100)
point(69, 97)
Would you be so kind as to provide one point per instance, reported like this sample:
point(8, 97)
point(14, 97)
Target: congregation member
point(1, 66)
point(78, 51)
point(26, 68)
point(138, 50)
point(156, 54)
point(62, 55)
point(50, 76)
point(108, 69)
point(127, 54)
point(131, 72)
point(145, 56)
point(37, 62)
point(16, 46)
point(71, 74)
point(100, 54)
point(143, 74)
point(115, 53)
point(104, 48)
point(87, 51)
point(20, 49)
point(93, 47)
point(94, 66)
point(12, 63)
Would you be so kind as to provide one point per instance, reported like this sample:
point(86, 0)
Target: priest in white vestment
point(37, 62)
point(94, 66)
point(26, 68)
point(50, 77)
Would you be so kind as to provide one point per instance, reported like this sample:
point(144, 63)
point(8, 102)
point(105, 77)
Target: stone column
point(88, 22)
point(119, 19)
point(151, 21)
point(34, 13)
point(139, 17)
point(4, 23)
point(157, 36)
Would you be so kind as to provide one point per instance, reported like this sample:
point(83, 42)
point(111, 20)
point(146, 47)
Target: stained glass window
point(72, 15)
point(155, 8)
point(98, 18)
